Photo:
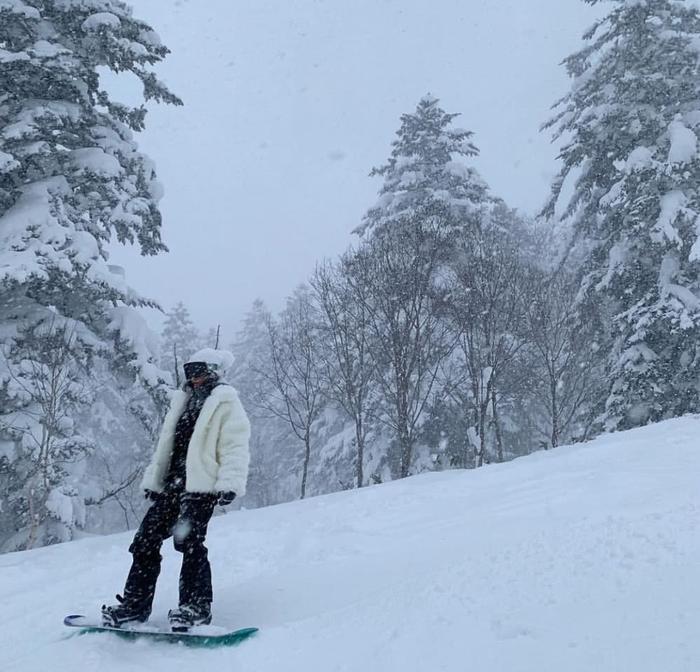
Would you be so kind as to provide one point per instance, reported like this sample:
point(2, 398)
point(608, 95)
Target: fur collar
point(221, 392)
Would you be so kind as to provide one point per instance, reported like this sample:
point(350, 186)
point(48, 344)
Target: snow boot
point(127, 611)
point(187, 616)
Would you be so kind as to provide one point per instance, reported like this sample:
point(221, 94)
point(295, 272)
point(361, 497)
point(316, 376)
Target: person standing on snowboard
point(201, 459)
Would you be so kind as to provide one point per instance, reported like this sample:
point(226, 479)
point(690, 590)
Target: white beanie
point(218, 361)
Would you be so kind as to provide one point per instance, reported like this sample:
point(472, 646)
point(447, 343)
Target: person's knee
point(188, 537)
point(145, 549)
point(191, 544)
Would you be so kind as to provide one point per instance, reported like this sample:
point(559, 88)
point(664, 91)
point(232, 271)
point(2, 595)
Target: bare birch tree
point(399, 266)
point(297, 385)
point(487, 310)
point(49, 376)
point(565, 368)
point(348, 361)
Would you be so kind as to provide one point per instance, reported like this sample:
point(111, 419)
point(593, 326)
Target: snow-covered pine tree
point(71, 180)
point(251, 356)
point(427, 170)
point(179, 339)
point(631, 122)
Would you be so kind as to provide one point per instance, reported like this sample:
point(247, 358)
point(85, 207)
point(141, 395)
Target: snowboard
point(200, 635)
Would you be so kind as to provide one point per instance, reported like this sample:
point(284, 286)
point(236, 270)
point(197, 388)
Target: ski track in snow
point(582, 558)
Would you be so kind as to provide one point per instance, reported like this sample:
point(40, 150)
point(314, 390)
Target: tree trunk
point(482, 433)
point(406, 450)
point(177, 366)
point(405, 446)
point(359, 465)
point(305, 469)
point(497, 425)
point(555, 413)
point(33, 517)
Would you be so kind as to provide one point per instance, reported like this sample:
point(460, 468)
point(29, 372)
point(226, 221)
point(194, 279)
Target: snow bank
point(583, 558)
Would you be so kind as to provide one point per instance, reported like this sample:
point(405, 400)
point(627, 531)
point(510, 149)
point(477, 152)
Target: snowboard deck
point(200, 635)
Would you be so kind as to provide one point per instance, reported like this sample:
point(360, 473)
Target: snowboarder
point(201, 459)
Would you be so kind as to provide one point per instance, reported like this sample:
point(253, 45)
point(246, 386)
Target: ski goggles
point(196, 370)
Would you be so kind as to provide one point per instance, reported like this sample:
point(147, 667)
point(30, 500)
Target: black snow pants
point(185, 516)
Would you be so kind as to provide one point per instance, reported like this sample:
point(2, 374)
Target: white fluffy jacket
point(217, 456)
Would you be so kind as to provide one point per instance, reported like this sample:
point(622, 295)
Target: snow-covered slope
point(584, 558)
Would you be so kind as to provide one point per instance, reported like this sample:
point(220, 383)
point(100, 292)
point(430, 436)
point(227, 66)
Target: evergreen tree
point(252, 356)
point(426, 172)
point(71, 180)
point(631, 120)
point(179, 339)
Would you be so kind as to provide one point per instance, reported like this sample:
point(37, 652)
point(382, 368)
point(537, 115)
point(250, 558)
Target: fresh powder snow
point(579, 559)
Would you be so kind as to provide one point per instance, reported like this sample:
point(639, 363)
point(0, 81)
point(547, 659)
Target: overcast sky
point(289, 104)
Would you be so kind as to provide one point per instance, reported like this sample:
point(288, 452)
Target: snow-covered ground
point(583, 558)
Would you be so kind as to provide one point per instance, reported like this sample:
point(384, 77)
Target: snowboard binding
point(127, 611)
point(187, 616)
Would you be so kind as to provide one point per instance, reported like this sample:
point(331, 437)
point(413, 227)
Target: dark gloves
point(150, 495)
point(225, 498)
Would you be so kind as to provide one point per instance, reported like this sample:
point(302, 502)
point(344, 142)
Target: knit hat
point(208, 361)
